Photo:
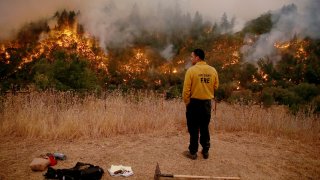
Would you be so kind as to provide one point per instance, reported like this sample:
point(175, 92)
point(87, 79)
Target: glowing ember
point(7, 55)
point(139, 54)
point(180, 62)
point(158, 82)
point(264, 76)
point(238, 85)
point(174, 70)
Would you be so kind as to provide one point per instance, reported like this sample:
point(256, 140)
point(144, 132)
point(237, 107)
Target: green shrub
point(74, 75)
point(267, 97)
point(286, 97)
point(41, 81)
point(138, 83)
point(243, 97)
point(255, 87)
point(224, 91)
point(174, 92)
point(316, 104)
point(305, 91)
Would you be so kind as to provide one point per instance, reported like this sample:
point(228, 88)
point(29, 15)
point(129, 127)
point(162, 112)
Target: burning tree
point(37, 41)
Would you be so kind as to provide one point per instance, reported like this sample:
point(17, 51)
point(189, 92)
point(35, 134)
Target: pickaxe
point(158, 174)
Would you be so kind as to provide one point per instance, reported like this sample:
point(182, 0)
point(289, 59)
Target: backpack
point(81, 171)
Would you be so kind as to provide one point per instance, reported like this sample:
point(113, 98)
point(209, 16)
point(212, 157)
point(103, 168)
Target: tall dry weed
point(276, 121)
point(67, 115)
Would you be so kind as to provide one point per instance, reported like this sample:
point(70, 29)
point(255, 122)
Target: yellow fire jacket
point(200, 82)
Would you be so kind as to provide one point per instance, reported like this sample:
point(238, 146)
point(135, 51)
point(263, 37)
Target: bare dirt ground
point(247, 155)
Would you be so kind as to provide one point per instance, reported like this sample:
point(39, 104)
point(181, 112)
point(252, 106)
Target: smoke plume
point(167, 52)
point(117, 22)
point(289, 21)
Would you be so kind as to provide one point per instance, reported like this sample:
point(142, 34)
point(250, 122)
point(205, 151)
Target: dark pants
point(198, 119)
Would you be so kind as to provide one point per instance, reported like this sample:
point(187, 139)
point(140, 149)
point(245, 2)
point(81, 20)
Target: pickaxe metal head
point(157, 173)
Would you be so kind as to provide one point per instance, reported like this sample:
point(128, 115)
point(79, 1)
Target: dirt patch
point(250, 156)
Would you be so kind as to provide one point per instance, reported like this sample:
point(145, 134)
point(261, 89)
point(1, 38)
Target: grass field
point(142, 129)
point(57, 115)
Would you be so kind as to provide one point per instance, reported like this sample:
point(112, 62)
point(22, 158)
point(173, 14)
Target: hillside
point(251, 68)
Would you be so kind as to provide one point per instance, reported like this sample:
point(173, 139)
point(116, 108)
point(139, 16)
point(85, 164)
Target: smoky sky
point(15, 13)
point(101, 18)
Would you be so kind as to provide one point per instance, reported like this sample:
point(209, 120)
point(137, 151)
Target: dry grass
point(64, 115)
point(275, 121)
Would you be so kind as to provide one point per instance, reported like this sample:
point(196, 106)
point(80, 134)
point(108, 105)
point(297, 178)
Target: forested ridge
point(65, 57)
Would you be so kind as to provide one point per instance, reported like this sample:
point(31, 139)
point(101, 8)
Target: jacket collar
point(201, 63)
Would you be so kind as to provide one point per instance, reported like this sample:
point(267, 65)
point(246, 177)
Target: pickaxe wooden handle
point(158, 174)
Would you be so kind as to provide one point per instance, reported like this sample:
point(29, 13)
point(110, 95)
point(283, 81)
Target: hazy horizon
point(15, 13)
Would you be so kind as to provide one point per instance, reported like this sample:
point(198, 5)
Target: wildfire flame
point(136, 65)
point(6, 49)
point(67, 39)
point(227, 51)
point(295, 47)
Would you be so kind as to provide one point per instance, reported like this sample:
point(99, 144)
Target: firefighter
point(201, 80)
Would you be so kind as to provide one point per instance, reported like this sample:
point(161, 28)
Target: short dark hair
point(199, 53)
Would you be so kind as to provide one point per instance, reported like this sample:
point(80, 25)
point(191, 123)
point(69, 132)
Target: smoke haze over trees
point(98, 15)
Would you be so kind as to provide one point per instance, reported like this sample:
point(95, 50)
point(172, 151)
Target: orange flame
point(67, 39)
point(136, 65)
point(295, 47)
